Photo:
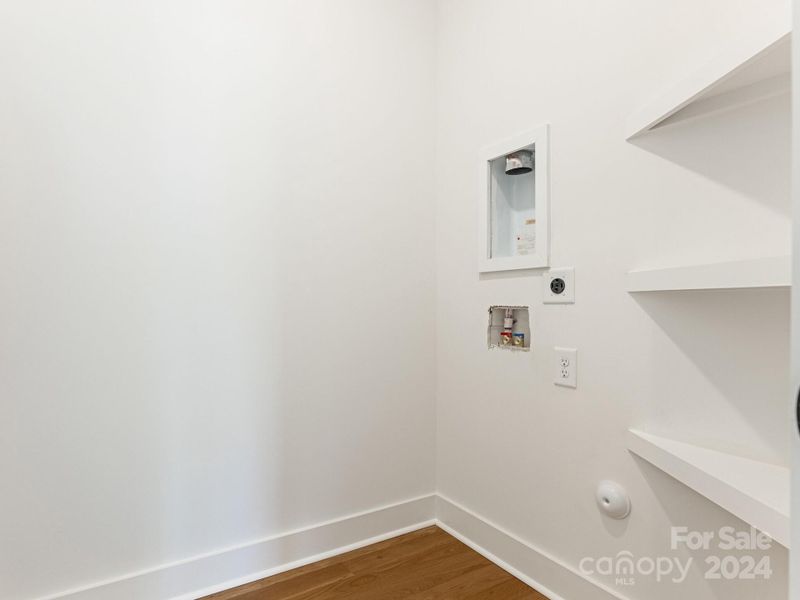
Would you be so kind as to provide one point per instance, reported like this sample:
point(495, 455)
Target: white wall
point(704, 367)
point(216, 286)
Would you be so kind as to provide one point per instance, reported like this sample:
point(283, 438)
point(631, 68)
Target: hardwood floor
point(424, 565)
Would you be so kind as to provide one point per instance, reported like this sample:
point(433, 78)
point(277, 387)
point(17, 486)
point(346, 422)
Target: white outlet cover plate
point(567, 274)
point(565, 367)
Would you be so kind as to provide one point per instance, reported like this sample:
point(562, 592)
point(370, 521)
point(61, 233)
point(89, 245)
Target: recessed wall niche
point(509, 328)
point(514, 202)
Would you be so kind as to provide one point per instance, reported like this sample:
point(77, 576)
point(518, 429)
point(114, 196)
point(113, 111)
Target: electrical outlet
point(559, 286)
point(566, 367)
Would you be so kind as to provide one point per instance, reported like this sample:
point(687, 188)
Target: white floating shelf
point(757, 68)
point(754, 273)
point(754, 491)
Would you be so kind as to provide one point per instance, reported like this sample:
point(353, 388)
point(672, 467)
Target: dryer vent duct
point(519, 162)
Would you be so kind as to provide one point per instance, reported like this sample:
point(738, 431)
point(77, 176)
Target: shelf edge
point(743, 505)
point(718, 70)
point(768, 272)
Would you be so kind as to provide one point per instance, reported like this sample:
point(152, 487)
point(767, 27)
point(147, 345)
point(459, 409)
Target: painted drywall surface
point(703, 367)
point(216, 286)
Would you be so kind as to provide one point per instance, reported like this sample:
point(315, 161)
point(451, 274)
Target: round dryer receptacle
point(557, 286)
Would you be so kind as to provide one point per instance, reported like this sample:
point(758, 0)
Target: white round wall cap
point(612, 499)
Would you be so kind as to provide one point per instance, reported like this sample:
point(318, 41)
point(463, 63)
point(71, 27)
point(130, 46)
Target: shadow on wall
point(734, 339)
point(681, 504)
point(617, 528)
point(739, 153)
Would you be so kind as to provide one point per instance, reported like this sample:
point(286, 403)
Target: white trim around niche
point(540, 139)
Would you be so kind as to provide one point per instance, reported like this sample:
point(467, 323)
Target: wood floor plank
point(509, 589)
point(401, 551)
point(418, 573)
point(428, 564)
point(477, 580)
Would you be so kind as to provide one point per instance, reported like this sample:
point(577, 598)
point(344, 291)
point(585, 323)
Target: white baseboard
point(216, 571)
point(206, 574)
point(540, 570)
